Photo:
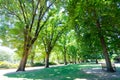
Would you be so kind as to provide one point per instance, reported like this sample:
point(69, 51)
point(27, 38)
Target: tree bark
point(58, 60)
point(65, 60)
point(64, 53)
point(75, 58)
point(23, 61)
point(47, 60)
point(32, 58)
point(79, 61)
point(105, 51)
point(26, 50)
point(96, 60)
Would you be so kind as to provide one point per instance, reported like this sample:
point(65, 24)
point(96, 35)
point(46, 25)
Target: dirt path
point(2, 72)
point(103, 75)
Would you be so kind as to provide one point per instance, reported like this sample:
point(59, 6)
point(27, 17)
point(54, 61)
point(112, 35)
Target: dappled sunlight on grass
point(69, 72)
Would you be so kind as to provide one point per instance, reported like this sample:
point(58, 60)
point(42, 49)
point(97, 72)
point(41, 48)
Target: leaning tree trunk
point(105, 51)
point(23, 60)
point(47, 60)
point(27, 48)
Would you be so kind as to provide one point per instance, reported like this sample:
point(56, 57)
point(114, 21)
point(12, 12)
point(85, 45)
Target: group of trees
point(77, 30)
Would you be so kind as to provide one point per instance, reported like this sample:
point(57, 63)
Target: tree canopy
point(79, 29)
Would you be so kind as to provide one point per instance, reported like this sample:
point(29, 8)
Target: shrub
point(52, 63)
point(5, 56)
point(117, 59)
point(42, 64)
point(7, 65)
point(38, 64)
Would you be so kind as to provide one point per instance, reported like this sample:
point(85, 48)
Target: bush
point(5, 56)
point(38, 64)
point(52, 63)
point(7, 65)
point(117, 59)
point(42, 64)
point(4, 65)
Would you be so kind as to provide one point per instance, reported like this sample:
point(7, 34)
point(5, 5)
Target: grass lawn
point(69, 72)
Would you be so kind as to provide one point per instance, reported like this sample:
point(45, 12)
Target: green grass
point(69, 72)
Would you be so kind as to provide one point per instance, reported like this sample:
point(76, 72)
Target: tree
point(91, 15)
point(62, 45)
point(51, 34)
point(32, 16)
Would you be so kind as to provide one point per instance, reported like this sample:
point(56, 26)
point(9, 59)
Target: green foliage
point(7, 65)
point(38, 64)
point(52, 63)
point(42, 64)
point(2, 32)
point(4, 56)
point(83, 18)
point(69, 23)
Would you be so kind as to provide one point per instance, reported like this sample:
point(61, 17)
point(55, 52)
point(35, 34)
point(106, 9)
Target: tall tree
point(93, 16)
point(62, 45)
point(32, 16)
point(52, 33)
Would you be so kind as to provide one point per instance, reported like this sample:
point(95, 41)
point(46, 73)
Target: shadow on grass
point(70, 72)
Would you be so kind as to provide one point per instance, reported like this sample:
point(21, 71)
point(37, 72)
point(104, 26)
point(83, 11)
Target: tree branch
point(34, 14)
point(13, 13)
point(57, 37)
point(41, 16)
point(33, 5)
point(22, 9)
point(38, 28)
point(45, 45)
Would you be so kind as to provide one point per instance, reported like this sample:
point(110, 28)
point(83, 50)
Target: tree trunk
point(44, 60)
point(79, 61)
point(23, 61)
point(64, 53)
point(58, 60)
point(32, 58)
point(32, 61)
point(65, 60)
point(26, 50)
point(96, 60)
point(47, 60)
point(75, 59)
point(105, 51)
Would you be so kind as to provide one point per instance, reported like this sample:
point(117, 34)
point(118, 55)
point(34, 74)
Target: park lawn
point(69, 72)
